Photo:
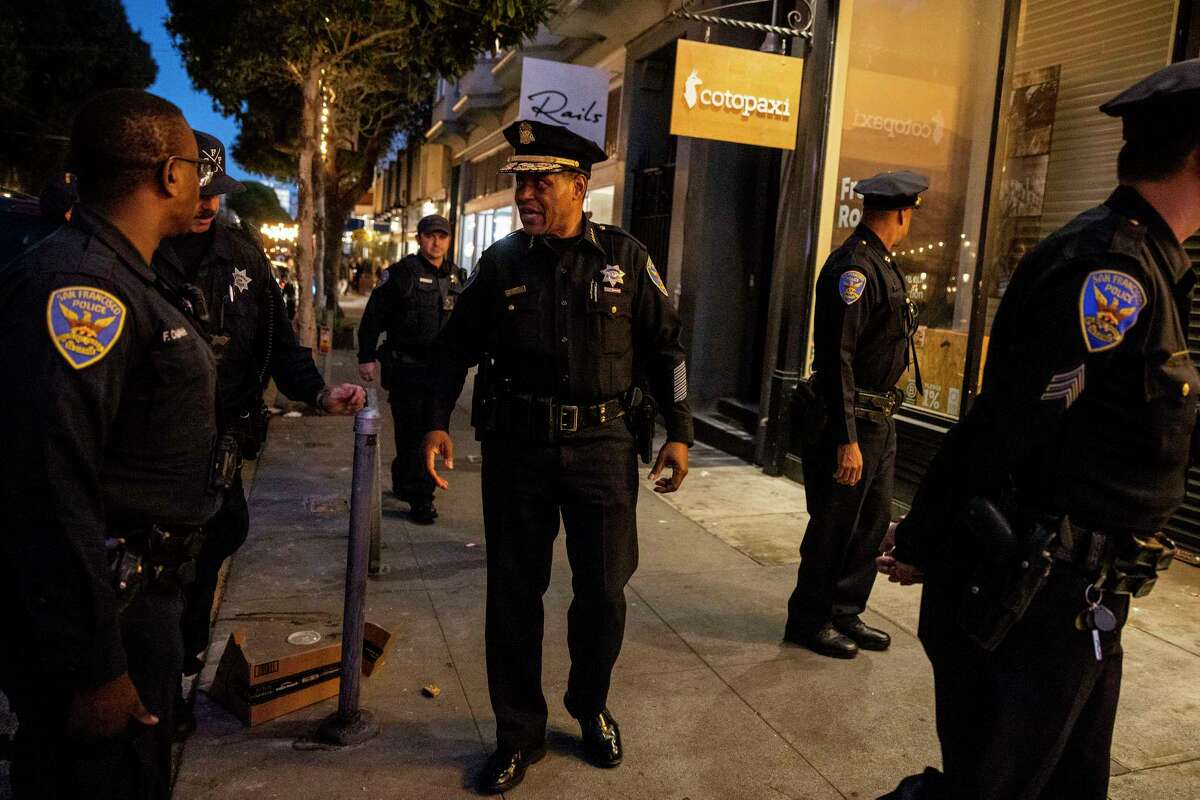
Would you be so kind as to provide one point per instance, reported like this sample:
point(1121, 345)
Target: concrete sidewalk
point(711, 705)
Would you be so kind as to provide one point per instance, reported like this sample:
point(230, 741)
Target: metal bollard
point(375, 566)
point(351, 724)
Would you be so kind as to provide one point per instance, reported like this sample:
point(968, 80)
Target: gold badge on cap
point(526, 133)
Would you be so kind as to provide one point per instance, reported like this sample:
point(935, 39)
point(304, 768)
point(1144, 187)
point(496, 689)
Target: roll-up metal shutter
point(1184, 528)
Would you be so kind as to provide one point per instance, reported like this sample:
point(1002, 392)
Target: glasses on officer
point(205, 170)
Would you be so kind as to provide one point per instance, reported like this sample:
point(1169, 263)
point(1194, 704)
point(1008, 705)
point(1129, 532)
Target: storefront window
point(599, 203)
point(920, 83)
point(1056, 154)
point(479, 231)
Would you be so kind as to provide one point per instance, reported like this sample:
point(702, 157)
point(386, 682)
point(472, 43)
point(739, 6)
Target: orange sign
point(736, 95)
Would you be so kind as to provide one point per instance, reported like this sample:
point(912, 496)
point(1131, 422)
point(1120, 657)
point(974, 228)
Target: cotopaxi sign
point(735, 95)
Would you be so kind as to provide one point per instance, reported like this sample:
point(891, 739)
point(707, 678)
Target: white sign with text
point(566, 95)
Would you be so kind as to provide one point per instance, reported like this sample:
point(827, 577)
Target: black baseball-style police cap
point(213, 153)
point(1168, 99)
point(432, 223)
point(539, 147)
point(892, 190)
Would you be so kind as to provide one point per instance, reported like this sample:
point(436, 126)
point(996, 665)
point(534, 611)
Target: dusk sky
point(147, 16)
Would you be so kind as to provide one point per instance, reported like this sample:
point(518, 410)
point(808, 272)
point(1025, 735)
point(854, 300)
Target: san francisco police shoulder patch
point(85, 323)
point(851, 285)
point(654, 278)
point(1108, 307)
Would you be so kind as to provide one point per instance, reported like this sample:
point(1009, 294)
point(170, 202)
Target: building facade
point(994, 100)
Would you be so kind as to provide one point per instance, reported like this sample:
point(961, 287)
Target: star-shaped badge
point(241, 281)
point(612, 274)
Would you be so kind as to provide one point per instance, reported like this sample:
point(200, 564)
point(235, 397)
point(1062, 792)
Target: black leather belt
point(1121, 562)
point(571, 419)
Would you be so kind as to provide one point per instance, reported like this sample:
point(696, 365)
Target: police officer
point(569, 322)
point(864, 323)
point(412, 305)
point(109, 467)
point(253, 341)
point(1065, 469)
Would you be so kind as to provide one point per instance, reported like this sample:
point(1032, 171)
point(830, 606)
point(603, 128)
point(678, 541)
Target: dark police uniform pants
point(223, 535)
point(136, 765)
point(846, 526)
point(410, 480)
point(1032, 720)
point(592, 482)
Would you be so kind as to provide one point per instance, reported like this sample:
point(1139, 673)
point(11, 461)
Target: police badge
point(525, 132)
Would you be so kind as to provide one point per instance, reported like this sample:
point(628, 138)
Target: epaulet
point(251, 233)
point(616, 231)
point(1128, 237)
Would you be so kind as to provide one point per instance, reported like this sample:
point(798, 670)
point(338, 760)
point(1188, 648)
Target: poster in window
point(1031, 108)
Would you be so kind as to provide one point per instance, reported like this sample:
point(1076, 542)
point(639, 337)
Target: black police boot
point(505, 768)
point(602, 739)
point(828, 642)
point(422, 512)
point(185, 718)
point(929, 785)
point(864, 636)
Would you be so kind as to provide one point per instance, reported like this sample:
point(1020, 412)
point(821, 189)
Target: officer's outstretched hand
point(675, 456)
point(438, 443)
point(898, 571)
point(106, 710)
point(345, 398)
point(849, 464)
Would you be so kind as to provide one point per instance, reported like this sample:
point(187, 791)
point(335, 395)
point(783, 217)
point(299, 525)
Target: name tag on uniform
point(613, 289)
point(514, 291)
point(425, 280)
point(174, 334)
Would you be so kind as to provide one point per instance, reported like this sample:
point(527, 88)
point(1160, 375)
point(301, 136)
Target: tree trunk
point(319, 233)
point(305, 241)
point(336, 214)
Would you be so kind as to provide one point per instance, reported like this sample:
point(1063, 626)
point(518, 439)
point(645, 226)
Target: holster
point(641, 411)
point(808, 412)
point(140, 558)
point(1009, 572)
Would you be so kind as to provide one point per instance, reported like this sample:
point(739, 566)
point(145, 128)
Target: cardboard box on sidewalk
point(262, 677)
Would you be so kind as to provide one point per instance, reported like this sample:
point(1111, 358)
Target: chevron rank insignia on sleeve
point(1066, 386)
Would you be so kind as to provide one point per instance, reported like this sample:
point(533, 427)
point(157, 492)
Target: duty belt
point(545, 418)
point(1123, 563)
point(875, 405)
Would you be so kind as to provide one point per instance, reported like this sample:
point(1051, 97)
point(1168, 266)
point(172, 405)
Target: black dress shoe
point(423, 513)
point(828, 642)
point(602, 739)
point(505, 769)
point(185, 720)
point(864, 636)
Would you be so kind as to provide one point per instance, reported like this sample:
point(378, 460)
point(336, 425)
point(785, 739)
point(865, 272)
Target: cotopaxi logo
point(896, 126)
point(747, 104)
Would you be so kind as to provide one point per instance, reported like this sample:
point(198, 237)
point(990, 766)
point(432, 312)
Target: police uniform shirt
point(250, 329)
point(859, 331)
point(1089, 395)
point(110, 425)
point(575, 320)
point(412, 305)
